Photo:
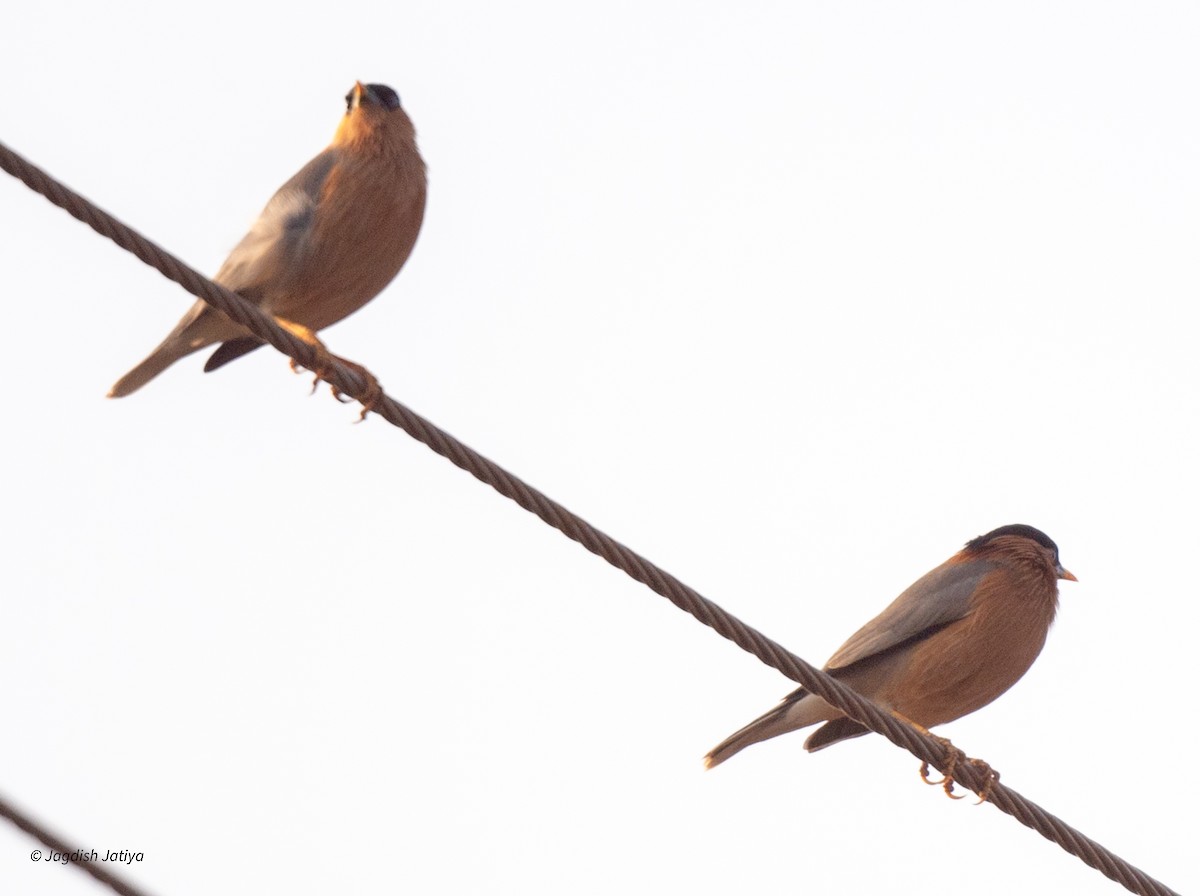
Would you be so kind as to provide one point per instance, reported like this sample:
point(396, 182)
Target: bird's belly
point(346, 261)
point(964, 667)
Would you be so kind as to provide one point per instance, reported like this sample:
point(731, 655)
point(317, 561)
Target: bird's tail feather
point(833, 732)
point(199, 328)
point(231, 350)
point(798, 710)
point(154, 364)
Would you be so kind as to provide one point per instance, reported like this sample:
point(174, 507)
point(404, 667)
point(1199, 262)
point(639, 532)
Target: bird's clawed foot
point(297, 368)
point(325, 360)
point(371, 394)
point(955, 756)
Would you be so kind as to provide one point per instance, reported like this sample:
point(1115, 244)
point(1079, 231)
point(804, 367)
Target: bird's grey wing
point(937, 598)
point(266, 257)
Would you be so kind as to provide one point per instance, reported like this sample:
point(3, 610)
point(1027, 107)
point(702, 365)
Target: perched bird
point(955, 640)
point(325, 245)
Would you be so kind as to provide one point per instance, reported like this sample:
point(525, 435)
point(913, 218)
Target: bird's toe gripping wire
point(953, 757)
point(372, 393)
point(325, 360)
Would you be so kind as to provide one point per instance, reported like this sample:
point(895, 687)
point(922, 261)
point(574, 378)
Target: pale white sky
point(792, 300)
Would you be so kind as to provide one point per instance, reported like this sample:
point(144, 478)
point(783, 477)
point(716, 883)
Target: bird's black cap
point(1018, 529)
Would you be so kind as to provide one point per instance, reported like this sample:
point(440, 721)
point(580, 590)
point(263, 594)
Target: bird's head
point(379, 95)
point(374, 116)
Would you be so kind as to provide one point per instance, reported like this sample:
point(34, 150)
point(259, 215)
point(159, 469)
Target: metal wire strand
point(349, 381)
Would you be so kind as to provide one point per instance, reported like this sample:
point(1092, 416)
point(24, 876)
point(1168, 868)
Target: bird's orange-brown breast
point(973, 660)
point(366, 223)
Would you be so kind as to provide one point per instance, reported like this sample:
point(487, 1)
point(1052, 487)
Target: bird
point(952, 642)
point(327, 242)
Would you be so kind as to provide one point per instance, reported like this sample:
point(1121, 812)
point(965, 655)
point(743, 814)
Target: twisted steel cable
point(349, 381)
